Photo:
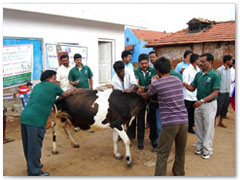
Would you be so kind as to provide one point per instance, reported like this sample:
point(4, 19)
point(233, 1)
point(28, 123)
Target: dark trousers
point(32, 138)
point(168, 135)
point(190, 110)
point(151, 117)
point(222, 103)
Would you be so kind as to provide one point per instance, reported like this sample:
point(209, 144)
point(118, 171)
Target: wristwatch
point(202, 101)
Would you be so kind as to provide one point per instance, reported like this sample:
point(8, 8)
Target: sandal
point(7, 140)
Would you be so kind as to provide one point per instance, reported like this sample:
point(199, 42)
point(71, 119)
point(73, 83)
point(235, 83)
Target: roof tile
point(221, 31)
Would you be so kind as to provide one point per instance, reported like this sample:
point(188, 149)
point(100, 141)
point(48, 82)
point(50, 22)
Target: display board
point(17, 64)
point(52, 50)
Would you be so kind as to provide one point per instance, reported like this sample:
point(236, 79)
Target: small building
point(50, 34)
point(201, 36)
point(136, 39)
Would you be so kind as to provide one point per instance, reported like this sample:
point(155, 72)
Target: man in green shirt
point(144, 75)
point(207, 82)
point(80, 76)
point(174, 73)
point(34, 118)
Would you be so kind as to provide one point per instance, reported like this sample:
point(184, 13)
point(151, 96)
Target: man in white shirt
point(62, 76)
point(189, 96)
point(223, 95)
point(63, 71)
point(124, 78)
point(232, 72)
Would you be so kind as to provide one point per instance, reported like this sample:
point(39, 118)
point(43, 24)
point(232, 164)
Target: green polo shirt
point(144, 80)
point(174, 73)
point(82, 75)
point(40, 103)
point(206, 83)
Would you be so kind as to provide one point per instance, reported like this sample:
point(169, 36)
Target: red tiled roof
point(221, 31)
point(147, 35)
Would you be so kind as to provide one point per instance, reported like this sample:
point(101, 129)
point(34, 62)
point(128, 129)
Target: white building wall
point(57, 29)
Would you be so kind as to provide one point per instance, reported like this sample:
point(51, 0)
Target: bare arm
point(91, 83)
point(69, 92)
point(73, 82)
point(140, 92)
point(208, 98)
point(133, 87)
point(189, 87)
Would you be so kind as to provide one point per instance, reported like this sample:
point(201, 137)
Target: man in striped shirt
point(174, 118)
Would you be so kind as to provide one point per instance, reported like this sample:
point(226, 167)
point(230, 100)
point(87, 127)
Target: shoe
point(43, 173)
point(191, 131)
point(154, 149)
point(207, 155)
point(198, 151)
point(140, 146)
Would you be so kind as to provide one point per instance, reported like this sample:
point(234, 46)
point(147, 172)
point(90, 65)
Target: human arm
point(206, 99)
point(72, 79)
point(69, 92)
point(189, 87)
point(91, 83)
point(132, 88)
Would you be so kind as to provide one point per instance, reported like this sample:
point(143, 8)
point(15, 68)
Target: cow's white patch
point(103, 105)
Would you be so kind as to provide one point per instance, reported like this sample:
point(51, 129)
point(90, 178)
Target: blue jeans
point(159, 127)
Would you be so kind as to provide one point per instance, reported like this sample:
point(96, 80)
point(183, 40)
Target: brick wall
point(219, 49)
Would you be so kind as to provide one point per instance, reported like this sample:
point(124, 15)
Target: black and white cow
point(92, 109)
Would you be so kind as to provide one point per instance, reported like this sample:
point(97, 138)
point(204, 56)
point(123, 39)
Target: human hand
point(181, 71)
point(126, 91)
point(185, 84)
point(197, 104)
point(76, 82)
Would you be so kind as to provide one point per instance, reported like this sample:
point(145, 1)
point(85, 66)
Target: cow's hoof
point(119, 156)
point(129, 164)
point(55, 152)
point(76, 146)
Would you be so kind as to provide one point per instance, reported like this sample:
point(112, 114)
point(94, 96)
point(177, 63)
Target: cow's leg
point(123, 135)
point(66, 128)
point(54, 130)
point(115, 146)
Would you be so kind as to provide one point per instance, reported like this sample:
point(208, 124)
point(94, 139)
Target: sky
point(151, 16)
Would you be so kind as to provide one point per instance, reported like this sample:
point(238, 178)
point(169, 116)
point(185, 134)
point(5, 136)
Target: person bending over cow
point(124, 78)
point(174, 118)
point(34, 118)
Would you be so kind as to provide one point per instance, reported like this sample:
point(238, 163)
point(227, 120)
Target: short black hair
point(125, 53)
point(209, 56)
point(193, 58)
point(187, 52)
point(162, 65)
point(64, 56)
point(77, 55)
point(47, 74)
point(226, 58)
point(153, 52)
point(118, 65)
point(143, 56)
point(233, 61)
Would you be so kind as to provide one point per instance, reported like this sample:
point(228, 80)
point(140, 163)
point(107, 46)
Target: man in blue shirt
point(185, 63)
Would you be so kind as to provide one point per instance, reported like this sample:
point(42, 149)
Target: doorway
point(105, 60)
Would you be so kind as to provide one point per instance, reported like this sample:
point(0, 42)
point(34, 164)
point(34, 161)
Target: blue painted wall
point(131, 38)
point(37, 53)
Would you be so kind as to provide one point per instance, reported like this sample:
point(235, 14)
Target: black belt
point(210, 101)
